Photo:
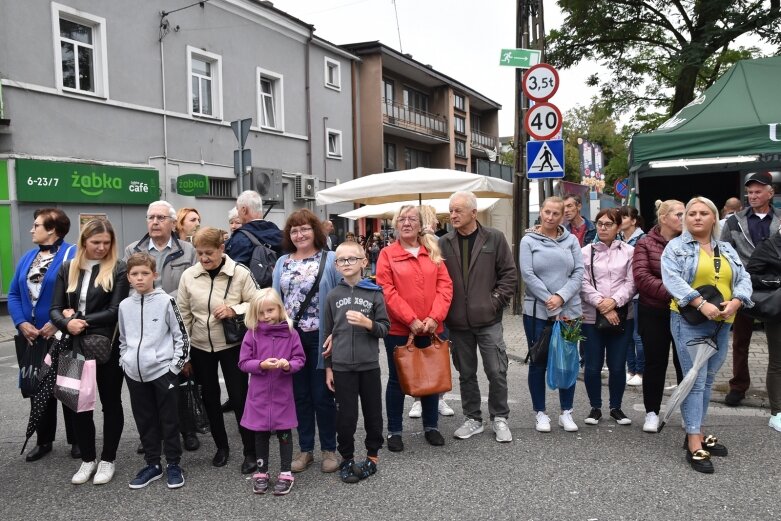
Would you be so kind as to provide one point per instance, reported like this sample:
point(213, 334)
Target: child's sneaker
point(283, 485)
point(364, 469)
point(146, 475)
point(346, 472)
point(174, 475)
point(260, 483)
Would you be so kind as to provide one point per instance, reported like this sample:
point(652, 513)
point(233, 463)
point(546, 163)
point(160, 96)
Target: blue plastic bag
point(563, 360)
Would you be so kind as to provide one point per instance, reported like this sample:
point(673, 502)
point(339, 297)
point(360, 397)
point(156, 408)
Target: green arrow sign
point(522, 58)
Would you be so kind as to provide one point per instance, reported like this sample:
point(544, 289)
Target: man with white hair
point(744, 231)
point(484, 277)
point(250, 210)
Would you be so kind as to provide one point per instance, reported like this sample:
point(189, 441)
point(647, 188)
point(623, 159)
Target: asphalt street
point(599, 473)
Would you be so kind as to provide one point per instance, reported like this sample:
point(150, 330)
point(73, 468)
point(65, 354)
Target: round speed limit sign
point(540, 82)
point(542, 121)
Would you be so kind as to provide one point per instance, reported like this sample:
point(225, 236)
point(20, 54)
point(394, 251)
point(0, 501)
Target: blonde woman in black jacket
point(86, 300)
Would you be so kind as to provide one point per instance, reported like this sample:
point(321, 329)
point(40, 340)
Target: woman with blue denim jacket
point(693, 259)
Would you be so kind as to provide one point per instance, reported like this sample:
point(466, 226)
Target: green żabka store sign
point(50, 181)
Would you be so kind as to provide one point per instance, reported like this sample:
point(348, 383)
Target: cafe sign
point(59, 182)
point(192, 185)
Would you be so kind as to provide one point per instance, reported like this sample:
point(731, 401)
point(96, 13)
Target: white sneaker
point(635, 381)
point(628, 377)
point(468, 429)
point(104, 474)
point(566, 421)
point(543, 422)
point(651, 422)
point(445, 409)
point(417, 410)
point(84, 473)
point(502, 431)
point(775, 421)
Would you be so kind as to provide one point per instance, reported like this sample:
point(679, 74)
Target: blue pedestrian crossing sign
point(545, 159)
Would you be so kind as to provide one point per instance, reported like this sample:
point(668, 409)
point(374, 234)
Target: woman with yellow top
point(694, 259)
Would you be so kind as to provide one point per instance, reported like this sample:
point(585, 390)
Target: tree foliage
point(660, 53)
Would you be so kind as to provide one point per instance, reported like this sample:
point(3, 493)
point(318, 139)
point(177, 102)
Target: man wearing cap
point(744, 231)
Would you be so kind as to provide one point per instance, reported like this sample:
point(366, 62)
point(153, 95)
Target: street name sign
point(545, 159)
point(520, 58)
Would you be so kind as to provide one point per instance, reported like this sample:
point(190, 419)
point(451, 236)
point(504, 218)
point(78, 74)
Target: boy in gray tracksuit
point(355, 320)
point(153, 348)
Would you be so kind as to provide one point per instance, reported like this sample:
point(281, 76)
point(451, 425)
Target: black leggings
point(109, 377)
point(262, 440)
point(654, 329)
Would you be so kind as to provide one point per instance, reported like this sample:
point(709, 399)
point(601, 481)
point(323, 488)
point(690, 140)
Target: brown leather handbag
point(424, 371)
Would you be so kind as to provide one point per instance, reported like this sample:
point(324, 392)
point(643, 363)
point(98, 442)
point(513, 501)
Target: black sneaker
point(283, 485)
point(394, 443)
point(619, 416)
point(593, 417)
point(434, 438)
point(364, 469)
point(346, 471)
point(734, 398)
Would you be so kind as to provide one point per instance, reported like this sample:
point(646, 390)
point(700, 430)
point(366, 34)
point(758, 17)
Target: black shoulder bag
point(538, 352)
point(709, 292)
point(233, 327)
point(602, 323)
point(315, 288)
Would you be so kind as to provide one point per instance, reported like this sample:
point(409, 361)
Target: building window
point(80, 51)
point(205, 83)
point(333, 74)
point(414, 158)
point(460, 168)
point(390, 157)
point(460, 148)
point(459, 124)
point(459, 102)
point(415, 99)
point(387, 90)
point(270, 100)
point(221, 188)
point(474, 120)
point(333, 140)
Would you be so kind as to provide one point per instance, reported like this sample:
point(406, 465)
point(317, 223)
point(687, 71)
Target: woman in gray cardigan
point(552, 268)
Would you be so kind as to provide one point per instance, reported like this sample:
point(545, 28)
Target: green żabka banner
point(54, 182)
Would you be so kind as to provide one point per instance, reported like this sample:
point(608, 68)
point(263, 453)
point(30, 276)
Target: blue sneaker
point(174, 475)
point(346, 471)
point(146, 475)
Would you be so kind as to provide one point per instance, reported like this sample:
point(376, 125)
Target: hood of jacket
point(532, 233)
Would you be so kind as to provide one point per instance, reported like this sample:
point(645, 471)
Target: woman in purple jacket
point(608, 288)
point(271, 352)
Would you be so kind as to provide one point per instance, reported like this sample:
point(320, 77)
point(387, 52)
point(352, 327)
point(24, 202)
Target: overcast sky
point(460, 38)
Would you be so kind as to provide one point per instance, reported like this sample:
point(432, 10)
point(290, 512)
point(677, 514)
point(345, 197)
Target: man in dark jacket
point(576, 224)
point(745, 230)
point(482, 269)
point(250, 207)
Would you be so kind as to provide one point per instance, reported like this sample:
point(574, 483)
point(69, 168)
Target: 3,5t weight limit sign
point(540, 82)
point(542, 121)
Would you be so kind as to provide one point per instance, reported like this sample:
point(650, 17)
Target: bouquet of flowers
point(571, 331)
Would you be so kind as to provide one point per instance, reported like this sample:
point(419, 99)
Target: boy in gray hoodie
point(153, 348)
point(355, 320)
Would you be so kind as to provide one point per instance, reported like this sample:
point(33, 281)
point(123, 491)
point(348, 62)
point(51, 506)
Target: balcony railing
point(403, 116)
point(480, 139)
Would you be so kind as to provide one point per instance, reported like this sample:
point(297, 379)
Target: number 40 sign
point(543, 120)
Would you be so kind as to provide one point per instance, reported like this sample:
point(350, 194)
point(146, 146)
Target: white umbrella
point(429, 183)
point(388, 210)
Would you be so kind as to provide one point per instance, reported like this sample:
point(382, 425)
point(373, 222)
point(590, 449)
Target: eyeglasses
point(605, 224)
point(348, 261)
point(36, 225)
point(304, 230)
point(159, 218)
point(411, 220)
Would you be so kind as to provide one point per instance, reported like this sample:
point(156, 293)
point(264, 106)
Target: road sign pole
point(241, 131)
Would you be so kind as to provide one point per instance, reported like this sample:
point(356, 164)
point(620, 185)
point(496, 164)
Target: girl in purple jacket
point(271, 352)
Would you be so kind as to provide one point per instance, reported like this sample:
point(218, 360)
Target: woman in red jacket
point(418, 291)
point(653, 310)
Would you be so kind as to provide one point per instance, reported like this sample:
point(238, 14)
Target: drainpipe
point(325, 160)
point(165, 121)
point(308, 102)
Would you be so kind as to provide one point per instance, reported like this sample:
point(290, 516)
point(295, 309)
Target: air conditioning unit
point(306, 187)
point(268, 183)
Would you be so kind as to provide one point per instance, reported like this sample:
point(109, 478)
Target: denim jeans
point(635, 354)
point(533, 327)
point(394, 398)
point(695, 405)
point(314, 402)
point(597, 345)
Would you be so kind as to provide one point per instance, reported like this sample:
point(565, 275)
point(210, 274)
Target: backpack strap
point(254, 240)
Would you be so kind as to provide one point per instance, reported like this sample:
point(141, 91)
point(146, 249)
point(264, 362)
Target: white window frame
point(99, 54)
point(216, 63)
point(278, 98)
point(337, 73)
point(336, 154)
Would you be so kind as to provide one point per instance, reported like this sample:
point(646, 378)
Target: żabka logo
point(93, 184)
point(190, 185)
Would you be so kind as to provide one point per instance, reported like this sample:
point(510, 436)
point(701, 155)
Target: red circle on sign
point(540, 116)
point(531, 78)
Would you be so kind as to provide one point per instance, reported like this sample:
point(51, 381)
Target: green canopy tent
point(732, 128)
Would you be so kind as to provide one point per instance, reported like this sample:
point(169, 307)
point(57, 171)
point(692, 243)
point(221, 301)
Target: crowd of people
point(174, 307)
